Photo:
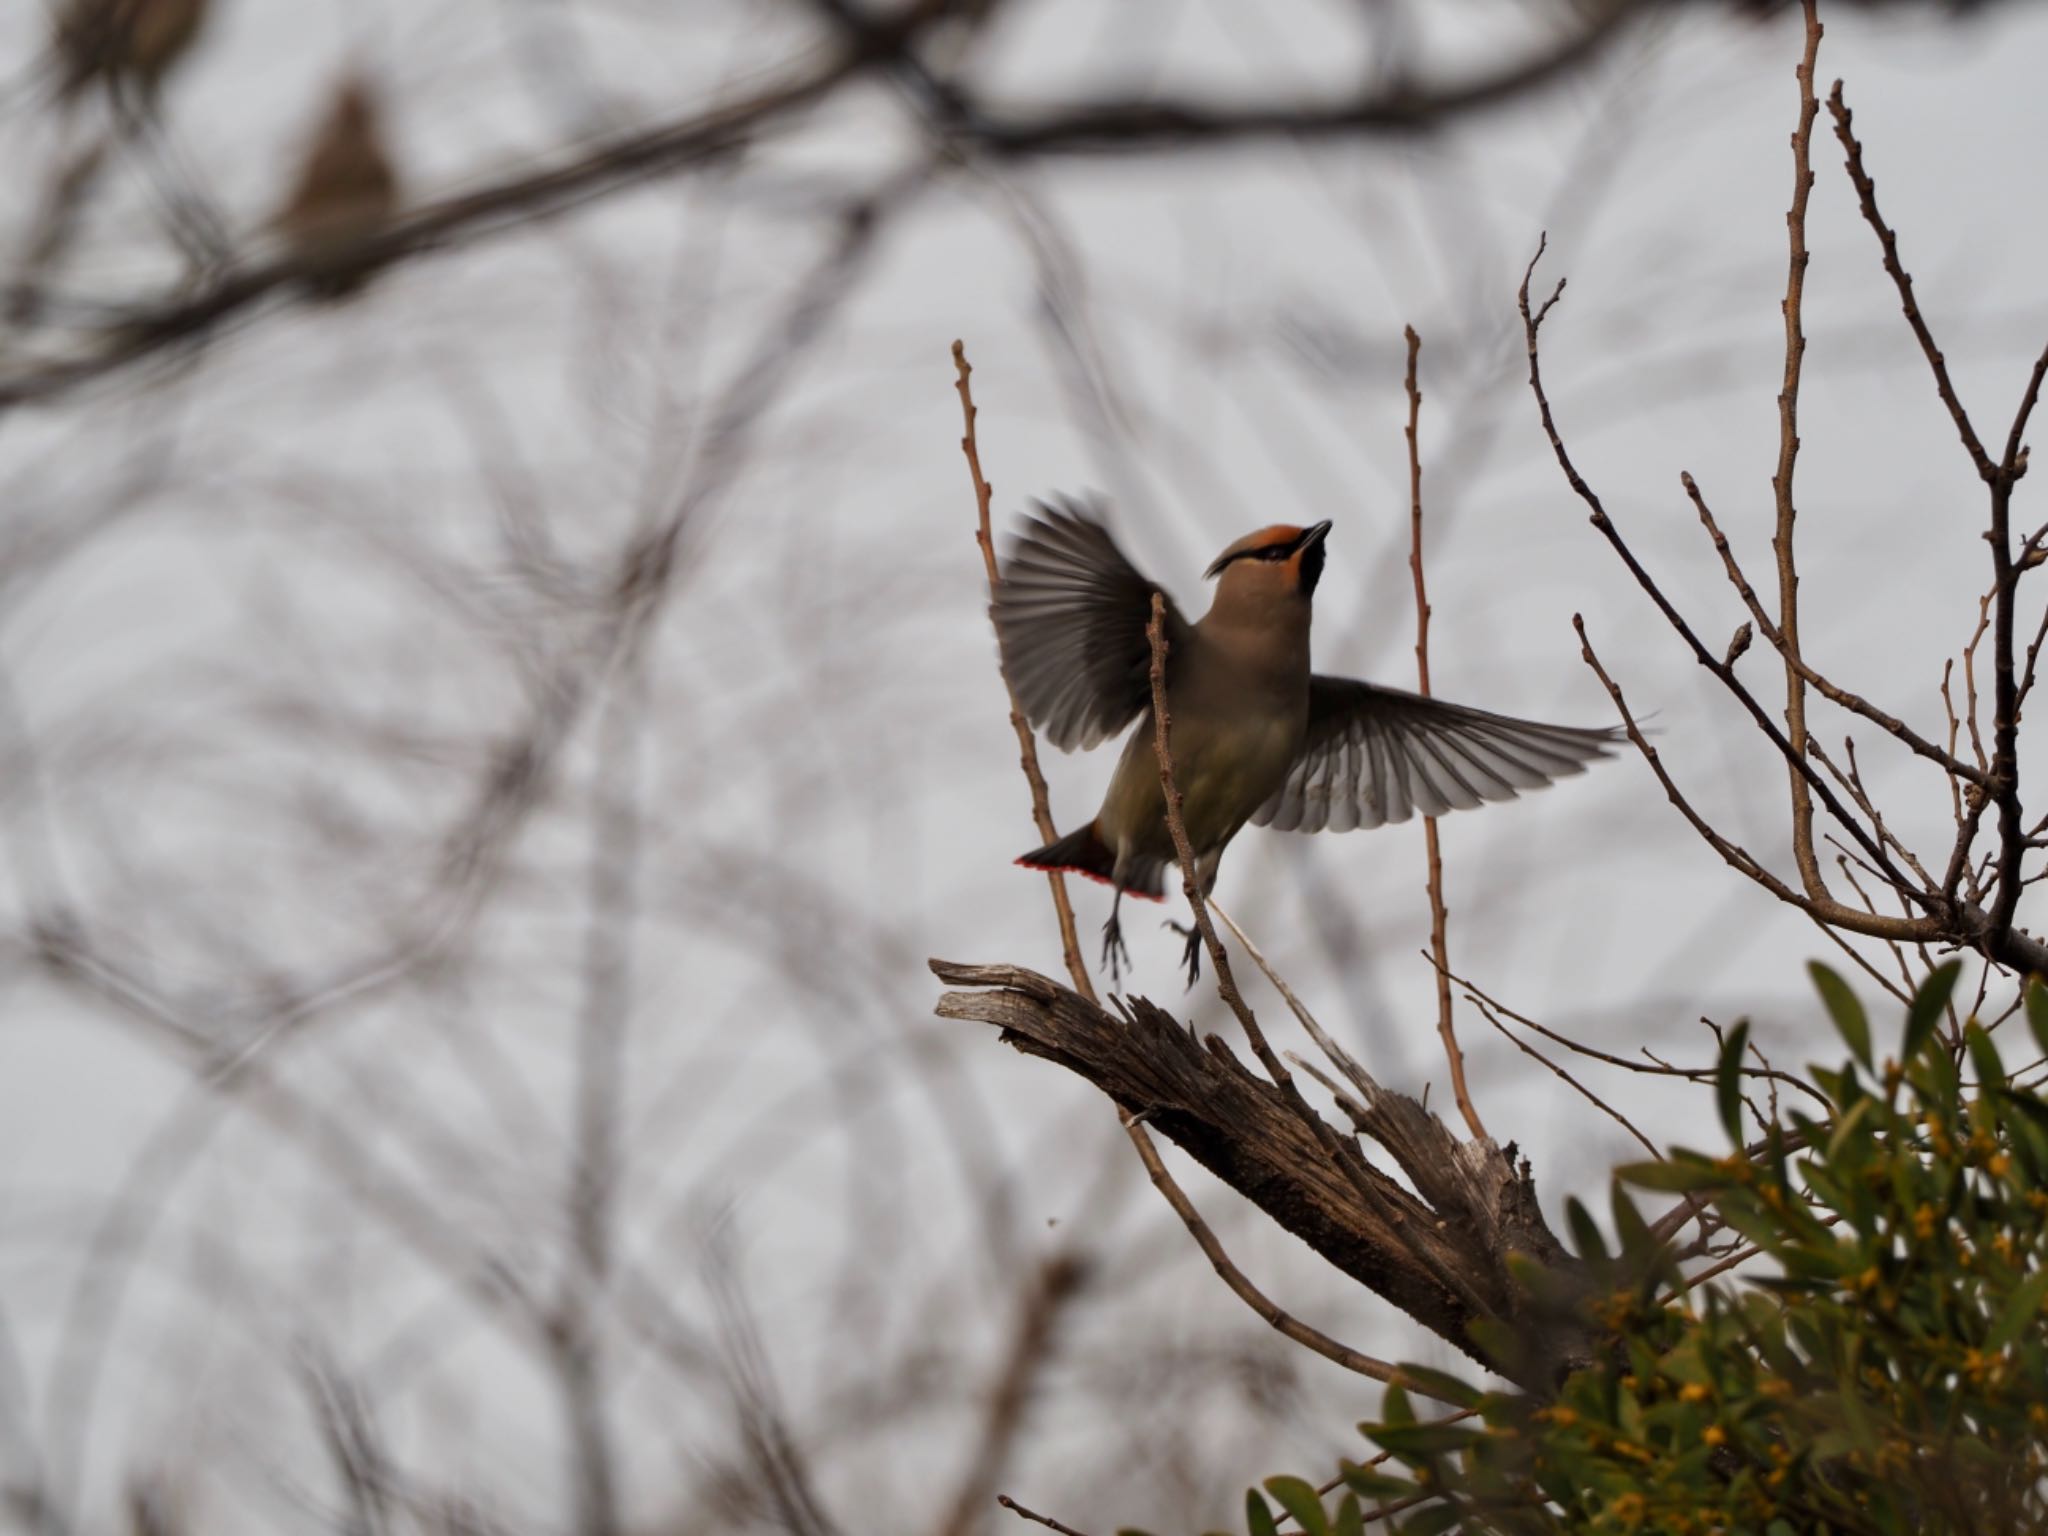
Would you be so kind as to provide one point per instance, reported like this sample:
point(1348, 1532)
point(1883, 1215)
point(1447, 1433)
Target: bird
point(123, 42)
point(346, 187)
point(1258, 736)
point(124, 49)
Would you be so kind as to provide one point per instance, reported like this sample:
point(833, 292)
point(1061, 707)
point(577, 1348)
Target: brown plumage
point(123, 42)
point(346, 186)
point(1258, 736)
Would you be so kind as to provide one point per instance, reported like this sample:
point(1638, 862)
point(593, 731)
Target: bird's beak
point(1311, 537)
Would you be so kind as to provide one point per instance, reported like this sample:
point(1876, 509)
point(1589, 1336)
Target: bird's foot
point(1115, 953)
point(1191, 957)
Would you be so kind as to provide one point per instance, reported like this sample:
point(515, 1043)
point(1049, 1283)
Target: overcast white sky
point(828, 780)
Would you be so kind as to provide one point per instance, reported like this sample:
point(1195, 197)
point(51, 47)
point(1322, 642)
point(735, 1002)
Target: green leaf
point(1629, 1226)
point(1851, 1128)
point(1350, 1517)
point(1938, 1080)
point(1585, 1231)
point(1728, 1081)
point(1432, 1520)
point(1299, 1498)
point(2023, 1308)
point(1396, 1407)
point(1442, 1386)
point(1258, 1516)
point(2037, 1012)
point(1927, 1006)
point(1983, 1056)
point(1682, 1175)
point(1851, 1021)
point(1371, 1483)
point(1424, 1440)
point(2025, 1103)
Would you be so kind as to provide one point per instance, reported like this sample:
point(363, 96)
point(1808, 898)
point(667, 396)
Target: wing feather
point(1376, 755)
point(1070, 616)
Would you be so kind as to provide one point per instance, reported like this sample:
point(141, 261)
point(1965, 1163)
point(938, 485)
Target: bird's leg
point(1191, 957)
point(1115, 954)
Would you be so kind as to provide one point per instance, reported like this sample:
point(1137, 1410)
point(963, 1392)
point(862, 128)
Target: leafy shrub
point(1884, 1370)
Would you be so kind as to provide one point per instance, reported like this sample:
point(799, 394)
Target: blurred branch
point(780, 1474)
point(1057, 1282)
point(596, 1152)
point(360, 1463)
point(621, 160)
point(1166, 125)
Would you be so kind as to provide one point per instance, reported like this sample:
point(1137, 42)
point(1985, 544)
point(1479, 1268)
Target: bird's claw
point(1115, 954)
point(1191, 957)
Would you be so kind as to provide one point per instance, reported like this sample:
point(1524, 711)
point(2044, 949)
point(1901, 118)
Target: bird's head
point(1277, 562)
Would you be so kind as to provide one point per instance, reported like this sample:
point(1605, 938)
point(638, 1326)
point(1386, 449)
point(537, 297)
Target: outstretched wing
point(1070, 616)
point(1376, 755)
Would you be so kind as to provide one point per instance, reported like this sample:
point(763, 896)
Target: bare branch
point(1241, 1286)
point(1866, 192)
point(1035, 1517)
point(1853, 702)
point(1027, 746)
point(1788, 458)
point(1153, 126)
point(1439, 919)
point(1441, 1254)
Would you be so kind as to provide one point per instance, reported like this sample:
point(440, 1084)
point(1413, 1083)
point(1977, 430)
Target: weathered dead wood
point(1439, 1250)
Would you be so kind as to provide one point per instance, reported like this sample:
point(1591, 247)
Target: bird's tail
point(1083, 852)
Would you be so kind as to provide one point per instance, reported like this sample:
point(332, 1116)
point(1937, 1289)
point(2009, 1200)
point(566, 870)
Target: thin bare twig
point(1027, 746)
point(1344, 1157)
point(1851, 781)
point(1532, 322)
point(1240, 1284)
point(1942, 918)
point(1803, 854)
point(1848, 699)
point(1140, 1138)
point(1191, 882)
point(1035, 1517)
point(1328, 1046)
point(1578, 1087)
point(1888, 240)
point(1439, 918)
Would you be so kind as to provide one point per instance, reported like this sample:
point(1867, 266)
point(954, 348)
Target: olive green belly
point(1223, 773)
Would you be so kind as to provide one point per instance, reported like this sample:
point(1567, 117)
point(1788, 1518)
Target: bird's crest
point(1276, 542)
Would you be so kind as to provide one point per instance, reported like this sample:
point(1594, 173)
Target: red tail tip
point(1086, 874)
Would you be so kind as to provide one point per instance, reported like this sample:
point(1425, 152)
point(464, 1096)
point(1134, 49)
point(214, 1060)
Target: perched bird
point(346, 185)
point(124, 49)
point(122, 42)
point(1257, 735)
